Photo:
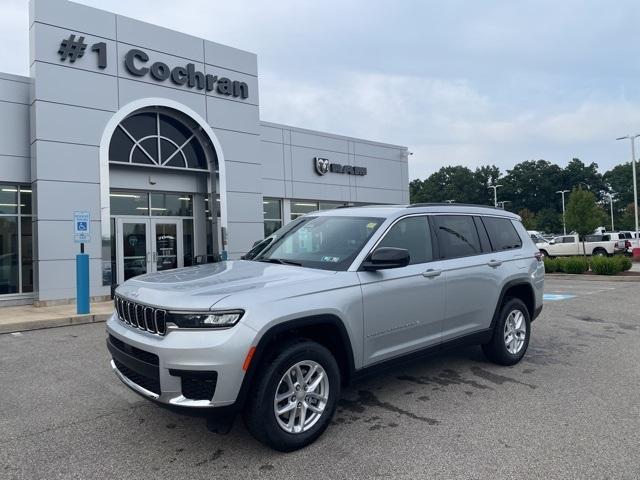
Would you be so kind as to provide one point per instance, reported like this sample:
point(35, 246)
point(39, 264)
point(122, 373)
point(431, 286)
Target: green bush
point(550, 265)
point(624, 262)
point(575, 265)
point(561, 264)
point(606, 265)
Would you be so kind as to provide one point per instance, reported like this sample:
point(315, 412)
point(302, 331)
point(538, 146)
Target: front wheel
point(295, 397)
point(600, 252)
point(510, 335)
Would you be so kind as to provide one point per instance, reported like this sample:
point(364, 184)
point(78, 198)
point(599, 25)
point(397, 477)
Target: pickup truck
point(595, 244)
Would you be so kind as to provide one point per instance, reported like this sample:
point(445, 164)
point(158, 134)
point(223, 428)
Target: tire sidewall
point(275, 436)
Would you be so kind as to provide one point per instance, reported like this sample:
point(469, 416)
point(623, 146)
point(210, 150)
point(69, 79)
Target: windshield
point(537, 238)
point(329, 243)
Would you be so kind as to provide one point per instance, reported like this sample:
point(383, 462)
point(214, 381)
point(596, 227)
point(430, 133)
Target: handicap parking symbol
point(554, 297)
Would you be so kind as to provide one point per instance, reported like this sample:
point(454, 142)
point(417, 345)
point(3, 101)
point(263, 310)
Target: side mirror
point(386, 257)
point(552, 241)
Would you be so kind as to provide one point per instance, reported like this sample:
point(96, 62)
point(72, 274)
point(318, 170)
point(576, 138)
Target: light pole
point(564, 222)
point(450, 201)
point(495, 194)
point(502, 203)
point(632, 139)
point(611, 204)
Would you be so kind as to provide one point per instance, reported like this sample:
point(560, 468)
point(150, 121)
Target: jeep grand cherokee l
point(340, 293)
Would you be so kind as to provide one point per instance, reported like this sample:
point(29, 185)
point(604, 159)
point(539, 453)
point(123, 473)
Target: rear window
point(502, 233)
point(457, 236)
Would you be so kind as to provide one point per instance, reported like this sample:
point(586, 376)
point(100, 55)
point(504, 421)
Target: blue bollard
point(82, 283)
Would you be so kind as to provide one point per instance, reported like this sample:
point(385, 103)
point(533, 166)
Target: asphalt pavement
point(569, 410)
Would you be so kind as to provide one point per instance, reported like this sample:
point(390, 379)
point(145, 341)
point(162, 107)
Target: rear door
point(472, 271)
point(403, 307)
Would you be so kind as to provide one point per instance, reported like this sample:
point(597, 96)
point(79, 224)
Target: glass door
point(167, 244)
point(132, 248)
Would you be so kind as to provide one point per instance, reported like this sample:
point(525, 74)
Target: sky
point(457, 82)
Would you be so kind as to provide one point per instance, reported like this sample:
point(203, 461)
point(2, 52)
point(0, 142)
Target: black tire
point(600, 252)
point(544, 253)
point(496, 349)
point(259, 416)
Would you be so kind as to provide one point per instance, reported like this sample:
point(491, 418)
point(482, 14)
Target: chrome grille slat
point(143, 317)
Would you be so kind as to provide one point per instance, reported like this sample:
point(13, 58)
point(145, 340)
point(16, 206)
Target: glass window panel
point(134, 249)
point(141, 125)
point(328, 205)
point(177, 161)
point(166, 246)
point(120, 146)
point(271, 226)
point(174, 129)
point(8, 199)
point(457, 236)
point(187, 240)
point(195, 155)
point(26, 240)
point(301, 207)
point(140, 157)
point(129, 203)
point(25, 200)
point(170, 204)
point(413, 235)
point(271, 209)
point(151, 146)
point(114, 279)
point(8, 255)
point(167, 149)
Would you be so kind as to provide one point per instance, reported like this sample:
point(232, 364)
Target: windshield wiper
point(280, 261)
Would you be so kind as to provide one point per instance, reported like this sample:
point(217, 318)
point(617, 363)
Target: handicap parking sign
point(81, 227)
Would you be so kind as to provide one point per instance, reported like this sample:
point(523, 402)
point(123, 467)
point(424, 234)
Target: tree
point(583, 214)
point(549, 220)
point(528, 219)
point(619, 181)
point(532, 184)
point(576, 174)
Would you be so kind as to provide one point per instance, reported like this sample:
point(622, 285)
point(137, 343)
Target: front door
point(403, 307)
point(146, 245)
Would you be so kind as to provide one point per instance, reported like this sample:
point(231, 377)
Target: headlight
point(224, 319)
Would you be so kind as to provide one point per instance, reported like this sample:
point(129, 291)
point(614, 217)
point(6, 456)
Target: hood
point(203, 286)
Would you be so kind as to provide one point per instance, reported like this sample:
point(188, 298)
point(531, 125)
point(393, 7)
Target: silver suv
point(340, 293)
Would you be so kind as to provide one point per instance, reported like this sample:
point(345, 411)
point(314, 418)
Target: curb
point(27, 325)
point(593, 278)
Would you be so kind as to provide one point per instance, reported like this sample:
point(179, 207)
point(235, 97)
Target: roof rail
point(441, 204)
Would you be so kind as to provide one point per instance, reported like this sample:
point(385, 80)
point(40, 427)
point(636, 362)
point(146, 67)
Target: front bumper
point(154, 366)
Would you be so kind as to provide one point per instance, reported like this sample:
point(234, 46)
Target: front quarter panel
point(340, 296)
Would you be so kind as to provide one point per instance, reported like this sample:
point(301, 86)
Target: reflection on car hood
point(203, 286)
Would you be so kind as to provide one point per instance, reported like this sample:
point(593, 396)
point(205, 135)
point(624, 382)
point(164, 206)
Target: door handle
point(431, 273)
point(494, 263)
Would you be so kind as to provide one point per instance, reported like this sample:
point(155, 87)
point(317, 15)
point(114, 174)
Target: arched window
point(160, 138)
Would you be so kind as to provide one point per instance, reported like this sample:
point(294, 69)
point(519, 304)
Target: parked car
point(540, 241)
point(595, 244)
point(336, 296)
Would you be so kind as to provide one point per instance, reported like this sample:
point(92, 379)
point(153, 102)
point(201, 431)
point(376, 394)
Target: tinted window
point(568, 240)
point(457, 236)
point(413, 235)
point(502, 233)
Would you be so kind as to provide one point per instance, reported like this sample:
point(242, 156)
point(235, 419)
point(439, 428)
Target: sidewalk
point(28, 317)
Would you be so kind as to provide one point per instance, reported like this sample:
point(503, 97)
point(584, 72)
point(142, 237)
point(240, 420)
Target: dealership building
point(145, 147)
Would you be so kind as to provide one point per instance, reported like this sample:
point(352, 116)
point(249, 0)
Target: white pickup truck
point(595, 244)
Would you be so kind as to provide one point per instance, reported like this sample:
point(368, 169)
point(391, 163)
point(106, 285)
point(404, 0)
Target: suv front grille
point(149, 319)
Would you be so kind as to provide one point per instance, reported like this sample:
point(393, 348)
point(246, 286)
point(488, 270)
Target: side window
point(457, 236)
point(568, 240)
point(413, 235)
point(502, 233)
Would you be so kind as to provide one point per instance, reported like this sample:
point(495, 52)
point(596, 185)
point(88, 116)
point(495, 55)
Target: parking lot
point(569, 410)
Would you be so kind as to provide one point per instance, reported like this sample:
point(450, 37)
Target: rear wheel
point(510, 335)
point(600, 252)
point(295, 397)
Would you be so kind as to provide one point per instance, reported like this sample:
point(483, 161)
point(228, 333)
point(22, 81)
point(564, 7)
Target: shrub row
point(578, 264)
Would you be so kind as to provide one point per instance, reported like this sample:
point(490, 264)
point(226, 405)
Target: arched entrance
point(163, 190)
